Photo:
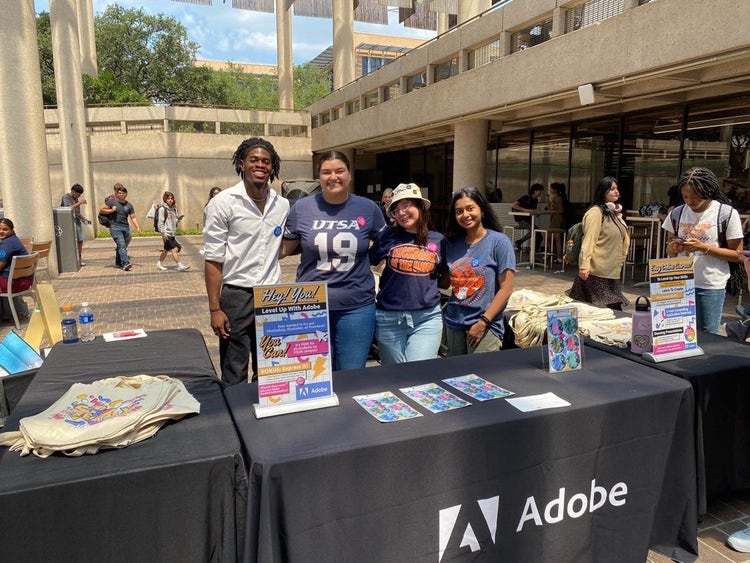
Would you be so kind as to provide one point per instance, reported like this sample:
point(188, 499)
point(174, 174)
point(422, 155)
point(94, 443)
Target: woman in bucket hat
point(408, 319)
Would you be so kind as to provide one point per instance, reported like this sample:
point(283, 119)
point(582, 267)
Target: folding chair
point(20, 267)
point(27, 242)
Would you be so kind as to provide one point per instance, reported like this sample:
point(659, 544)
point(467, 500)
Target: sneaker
point(740, 541)
point(127, 267)
point(741, 312)
point(739, 331)
point(182, 267)
point(83, 263)
point(160, 266)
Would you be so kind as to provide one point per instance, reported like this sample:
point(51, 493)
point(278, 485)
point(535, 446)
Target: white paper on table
point(124, 335)
point(538, 402)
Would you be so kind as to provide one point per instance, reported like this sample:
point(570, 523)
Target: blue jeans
point(351, 336)
point(408, 336)
point(121, 235)
point(709, 304)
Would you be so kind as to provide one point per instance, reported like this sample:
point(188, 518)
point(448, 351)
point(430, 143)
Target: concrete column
point(343, 43)
point(558, 22)
point(506, 44)
point(442, 23)
point(467, 9)
point(470, 154)
point(24, 171)
point(284, 55)
point(69, 89)
point(87, 37)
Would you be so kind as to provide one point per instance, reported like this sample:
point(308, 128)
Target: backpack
point(737, 276)
point(156, 217)
point(574, 242)
point(105, 218)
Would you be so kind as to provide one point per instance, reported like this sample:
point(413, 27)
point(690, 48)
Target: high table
point(179, 496)
point(532, 241)
point(336, 485)
point(721, 382)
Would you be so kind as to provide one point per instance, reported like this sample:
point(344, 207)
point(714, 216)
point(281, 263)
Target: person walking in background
point(603, 250)
point(527, 203)
point(708, 228)
point(74, 200)
point(211, 194)
point(408, 319)
point(166, 221)
point(334, 229)
point(120, 210)
point(482, 267)
point(241, 241)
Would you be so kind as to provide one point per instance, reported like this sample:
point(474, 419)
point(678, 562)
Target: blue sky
point(225, 33)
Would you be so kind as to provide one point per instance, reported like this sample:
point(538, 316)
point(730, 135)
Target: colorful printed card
point(563, 341)
point(434, 398)
point(386, 407)
point(478, 388)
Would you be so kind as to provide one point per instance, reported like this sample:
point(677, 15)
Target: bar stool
point(548, 251)
point(639, 250)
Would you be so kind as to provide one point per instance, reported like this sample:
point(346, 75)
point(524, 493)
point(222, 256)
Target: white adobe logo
point(448, 517)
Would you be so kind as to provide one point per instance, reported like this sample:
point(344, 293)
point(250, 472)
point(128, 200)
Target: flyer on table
point(293, 349)
point(673, 305)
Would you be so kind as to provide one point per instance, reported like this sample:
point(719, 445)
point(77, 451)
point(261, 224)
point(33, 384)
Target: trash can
point(65, 238)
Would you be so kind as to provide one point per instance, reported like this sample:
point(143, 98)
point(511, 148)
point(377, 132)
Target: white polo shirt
point(246, 241)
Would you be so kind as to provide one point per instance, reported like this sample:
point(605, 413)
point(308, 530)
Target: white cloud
point(225, 33)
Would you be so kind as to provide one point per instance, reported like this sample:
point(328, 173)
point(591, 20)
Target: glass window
point(651, 156)
point(513, 165)
point(549, 155)
point(593, 156)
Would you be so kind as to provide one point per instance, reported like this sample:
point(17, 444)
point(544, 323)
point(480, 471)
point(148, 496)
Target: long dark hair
point(705, 183)
point(6, 221)
point(422, 226)
point(489, 221)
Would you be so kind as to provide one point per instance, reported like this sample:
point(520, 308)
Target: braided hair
point(704, 183)
point(252, 143)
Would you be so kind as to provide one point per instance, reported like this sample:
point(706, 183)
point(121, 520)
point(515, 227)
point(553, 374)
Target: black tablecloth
point(721, 381)
point(179, 496)
point(336, 485)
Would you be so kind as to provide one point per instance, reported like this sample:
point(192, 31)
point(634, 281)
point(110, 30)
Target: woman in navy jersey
point(334, 229)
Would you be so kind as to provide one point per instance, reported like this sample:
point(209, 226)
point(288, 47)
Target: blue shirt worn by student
point(335, 241)
point(474, 271)
point(10, 247)
point(409, 280)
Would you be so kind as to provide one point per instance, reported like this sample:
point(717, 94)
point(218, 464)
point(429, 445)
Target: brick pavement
point(151, 299)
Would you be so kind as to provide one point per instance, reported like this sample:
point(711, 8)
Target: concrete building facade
point(555, 90)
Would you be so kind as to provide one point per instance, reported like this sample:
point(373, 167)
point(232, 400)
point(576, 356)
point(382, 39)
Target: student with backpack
point(708, 228)
point(603, 250)
point(165, 222)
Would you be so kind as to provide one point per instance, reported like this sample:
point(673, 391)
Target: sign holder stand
point(275, 410)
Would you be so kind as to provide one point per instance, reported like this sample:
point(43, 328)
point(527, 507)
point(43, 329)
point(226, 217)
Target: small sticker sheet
point(386, 407)
point(477, 387)
point(434, 398)
point(564, 343)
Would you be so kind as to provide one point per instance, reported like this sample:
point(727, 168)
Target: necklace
point(260, 199)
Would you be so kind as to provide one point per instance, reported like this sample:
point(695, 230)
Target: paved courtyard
point(153, 300)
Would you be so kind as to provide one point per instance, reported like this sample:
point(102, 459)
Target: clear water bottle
point(86, 323)
point(69, 325)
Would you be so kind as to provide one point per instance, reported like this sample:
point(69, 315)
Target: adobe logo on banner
point(449, 516)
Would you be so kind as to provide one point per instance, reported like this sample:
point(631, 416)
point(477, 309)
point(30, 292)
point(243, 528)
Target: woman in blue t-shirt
point(10, 246)
point(482, 266)
point(408, 319)
point(334, 229)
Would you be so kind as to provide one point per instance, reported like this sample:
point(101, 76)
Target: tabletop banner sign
point(563, 340)
point(293, 349)
point(673, 323)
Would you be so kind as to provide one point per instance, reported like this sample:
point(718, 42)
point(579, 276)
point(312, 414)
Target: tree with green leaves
point(149, 59)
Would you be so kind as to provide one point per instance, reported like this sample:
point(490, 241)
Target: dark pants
point(235, 352)
point(526, 226)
